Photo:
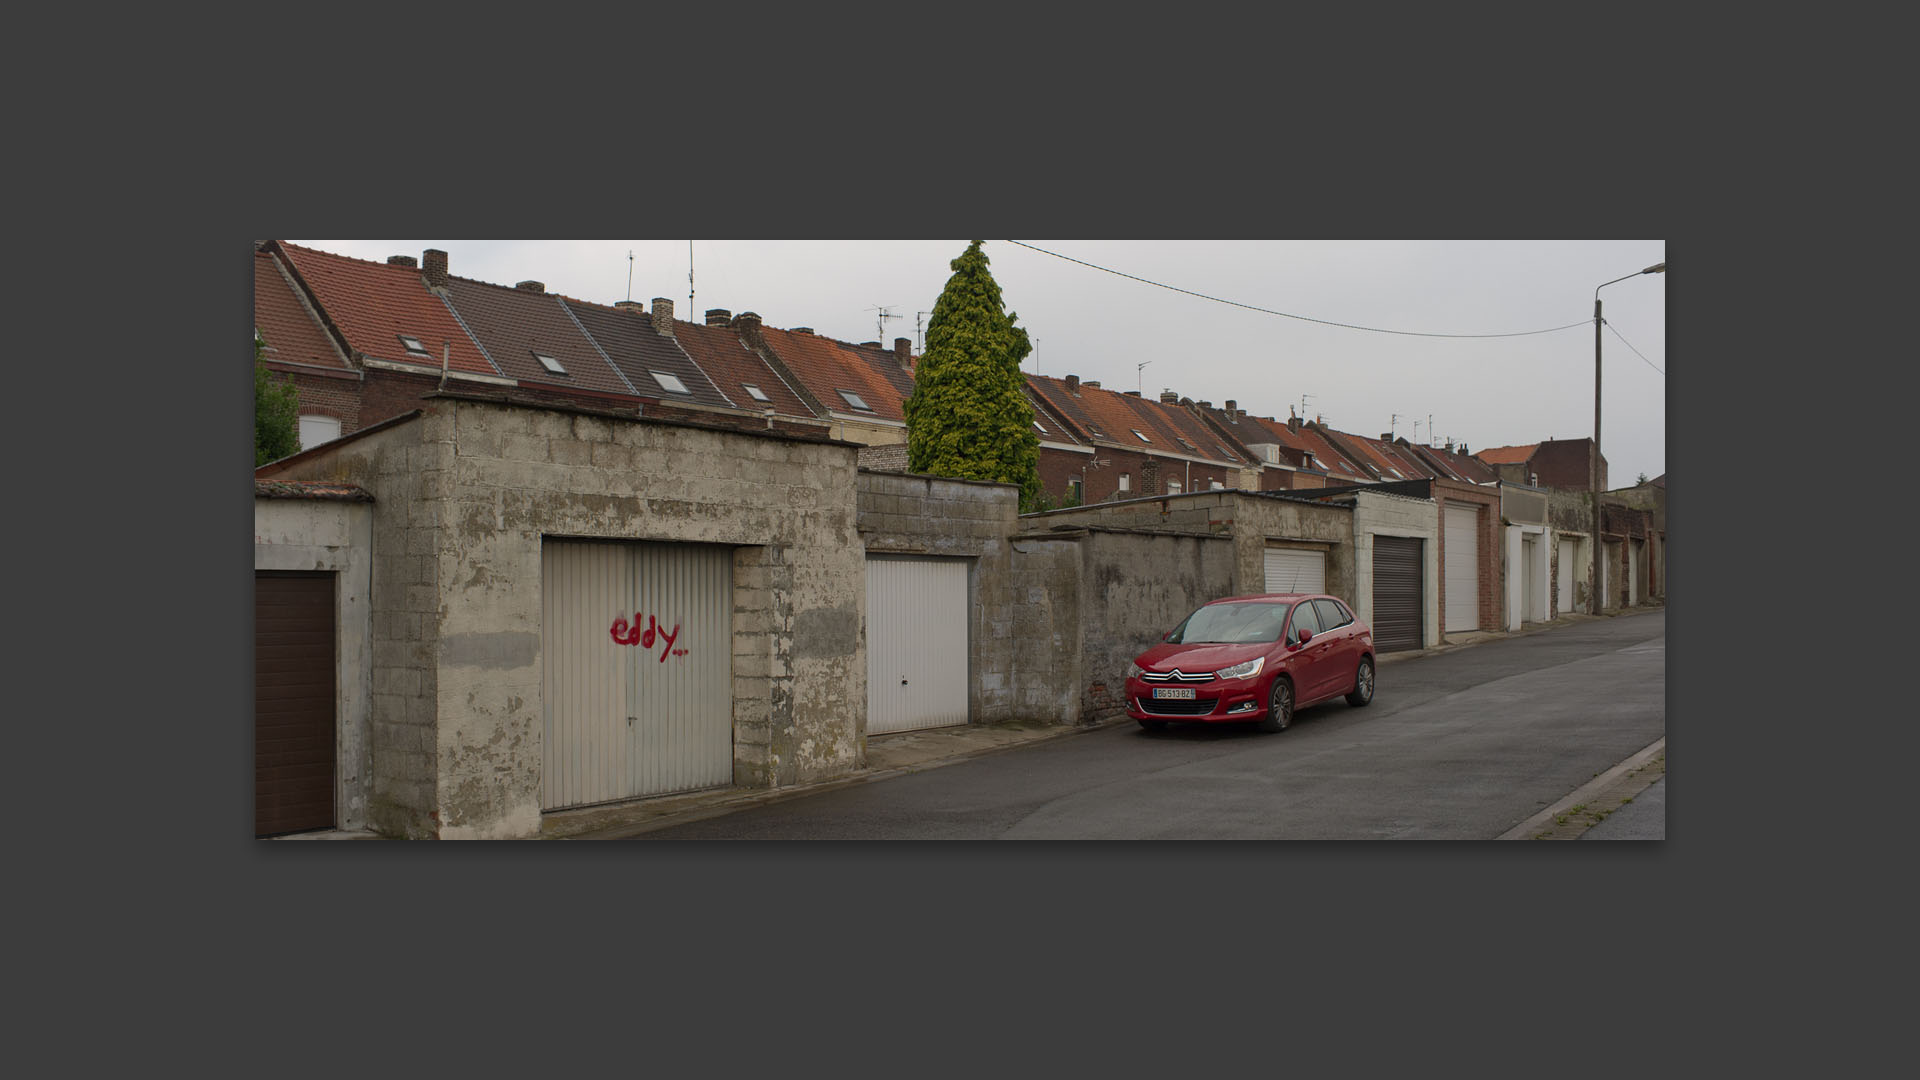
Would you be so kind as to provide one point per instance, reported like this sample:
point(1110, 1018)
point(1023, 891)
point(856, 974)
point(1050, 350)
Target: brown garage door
point(293, 707)
point(1396, 593)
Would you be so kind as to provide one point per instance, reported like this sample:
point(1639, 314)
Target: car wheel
point(1279, 707)
point(1153, 725)
point(1362, 684)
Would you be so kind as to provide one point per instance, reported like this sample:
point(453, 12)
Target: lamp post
point(1593, 463)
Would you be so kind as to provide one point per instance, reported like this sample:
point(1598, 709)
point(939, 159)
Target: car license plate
point(1173, 693)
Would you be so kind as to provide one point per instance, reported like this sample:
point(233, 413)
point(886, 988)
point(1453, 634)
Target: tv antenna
point(880, 323)
point(630, 274)
point(1393, 424)
point(1137, 369)
point(691, 312)
point(916, 329)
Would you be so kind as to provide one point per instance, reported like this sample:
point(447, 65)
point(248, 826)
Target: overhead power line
point(1629, 344)
point(1289, 315)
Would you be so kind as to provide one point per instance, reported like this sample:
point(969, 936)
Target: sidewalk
point(899, 753)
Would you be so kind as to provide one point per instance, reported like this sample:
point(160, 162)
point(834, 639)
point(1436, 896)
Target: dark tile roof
point(733, 367)
point(285, 324)
point(627, 336)
point(514, 324)
point(1104, 416)
point(371, 304)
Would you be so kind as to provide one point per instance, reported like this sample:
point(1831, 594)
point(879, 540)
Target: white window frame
point(854, 400)
point(669, 382)
point(756, 393)
point(550, 363)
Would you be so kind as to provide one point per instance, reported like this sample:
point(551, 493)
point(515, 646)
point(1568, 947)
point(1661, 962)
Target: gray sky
point(1490, 391)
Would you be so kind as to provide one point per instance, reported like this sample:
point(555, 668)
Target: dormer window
point(413, 346)
point(549, 363)
point(670, 383)
point(853, 399)
point(755, 392)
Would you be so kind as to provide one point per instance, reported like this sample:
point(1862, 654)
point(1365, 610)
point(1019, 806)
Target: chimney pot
point(531, 286)
point(718, 316)
point(663, 316)
point(402, 260)
point(433, 266)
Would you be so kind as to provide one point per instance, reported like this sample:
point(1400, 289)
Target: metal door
point(294, 676)
point(637, 668)
point(916, 643)
point(1568, 572)
point(1398, 584)
point(1296, 570)
point(1529, 579)
point(1463, 568)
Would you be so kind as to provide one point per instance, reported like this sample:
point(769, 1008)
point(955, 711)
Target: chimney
point(1168, 397)
point(1073, 384)
point(718, 316)
point(402, 260)
point(869, 344)
point(801, 330)
point(1204, 404)
point(1233, 411)
point(748, 324)
point(1386, 436)
point(1131, 393)
point(632, 307)
point(531, 286)
point(433, 264)
point(663, 316)
point(1293, 424)
point(903, 352)
point(1091, 384)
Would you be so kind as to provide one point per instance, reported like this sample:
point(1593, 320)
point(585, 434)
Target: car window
point(1231, 624)
point(1303, 619)
point(1332, 615)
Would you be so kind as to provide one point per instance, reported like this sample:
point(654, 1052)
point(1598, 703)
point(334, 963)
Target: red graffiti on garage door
point(625, 633)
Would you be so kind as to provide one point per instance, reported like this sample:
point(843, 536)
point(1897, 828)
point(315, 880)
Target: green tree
point(276, 410)
point(968, 416)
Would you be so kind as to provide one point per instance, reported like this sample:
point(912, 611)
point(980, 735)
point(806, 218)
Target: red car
point(1256, 658)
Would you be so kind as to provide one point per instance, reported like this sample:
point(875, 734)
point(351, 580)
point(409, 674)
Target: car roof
point(1283, 597)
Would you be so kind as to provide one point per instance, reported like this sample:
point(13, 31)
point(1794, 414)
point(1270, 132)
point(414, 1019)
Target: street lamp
point(1593, 463)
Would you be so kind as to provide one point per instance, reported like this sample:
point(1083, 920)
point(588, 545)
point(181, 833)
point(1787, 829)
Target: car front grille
point(1200, 707)
point(1177, 676)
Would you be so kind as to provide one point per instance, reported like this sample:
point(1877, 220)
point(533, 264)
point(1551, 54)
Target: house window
point(413, 346)
point(1077, 490)
point(756, 393)
point(670, 383)
point(1173, 487)
point(315, 430)
point(853, 399)
point(550, 363)
point(1126, 481)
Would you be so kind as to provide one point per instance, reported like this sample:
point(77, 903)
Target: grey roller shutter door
point(1397, 588)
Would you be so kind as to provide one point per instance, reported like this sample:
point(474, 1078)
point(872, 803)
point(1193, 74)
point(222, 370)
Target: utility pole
point(1593, 462)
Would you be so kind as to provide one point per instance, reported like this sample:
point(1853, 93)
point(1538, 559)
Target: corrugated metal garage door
point(1397, 587)
point(293, 701)
point(637, 659)
point(1463, 568)
point(1296, 570)
point(916, 643)
point(1568, 572)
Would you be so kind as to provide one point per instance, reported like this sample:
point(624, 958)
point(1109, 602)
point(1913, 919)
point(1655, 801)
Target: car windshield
point(1231, 624)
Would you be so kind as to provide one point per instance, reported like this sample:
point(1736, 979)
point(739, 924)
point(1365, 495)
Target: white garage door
point(916, 643)
point(1529, 577)
point(1463, 568)
point(1296, 570)
point(1568, 572)
point(637, 669)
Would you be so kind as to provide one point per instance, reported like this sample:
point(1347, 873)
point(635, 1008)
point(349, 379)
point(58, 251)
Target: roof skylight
point(670, 383)
point(1137, 435)
point(756, 393)
point(853, 399)
point(549, 363)
point(413, 346)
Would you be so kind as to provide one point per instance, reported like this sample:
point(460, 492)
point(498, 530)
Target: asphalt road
point(1461, 745)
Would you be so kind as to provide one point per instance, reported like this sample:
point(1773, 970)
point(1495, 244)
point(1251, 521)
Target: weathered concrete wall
point(334, 536)
point(901, 514)
point(1380, 514)
point(466, 493)
point(1134, 588)
point(1047, 646)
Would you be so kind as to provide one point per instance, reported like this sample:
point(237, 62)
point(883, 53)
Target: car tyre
point(1153, 725)
point(1362, 684)
point(1279, 707)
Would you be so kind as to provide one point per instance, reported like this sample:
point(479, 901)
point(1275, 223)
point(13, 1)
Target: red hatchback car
point(1253, 658)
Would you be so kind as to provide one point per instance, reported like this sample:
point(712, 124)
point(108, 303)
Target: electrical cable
point(1629, 344)
point(1287, 315)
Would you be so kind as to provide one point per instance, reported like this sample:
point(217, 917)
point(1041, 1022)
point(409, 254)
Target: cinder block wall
point(901, 514)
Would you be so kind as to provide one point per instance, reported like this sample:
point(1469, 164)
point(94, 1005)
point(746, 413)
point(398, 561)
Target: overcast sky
point(1483, 391)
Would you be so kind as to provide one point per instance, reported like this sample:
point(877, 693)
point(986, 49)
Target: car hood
point(1200, 656)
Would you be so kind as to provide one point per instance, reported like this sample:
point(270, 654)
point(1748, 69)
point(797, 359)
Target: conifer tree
point(968, 416)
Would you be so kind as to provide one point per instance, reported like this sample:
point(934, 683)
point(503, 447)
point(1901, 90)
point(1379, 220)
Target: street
point(1462, 745)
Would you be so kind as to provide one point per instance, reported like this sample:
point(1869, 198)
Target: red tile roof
point(285, 324)
point(371, 304)
point(1332, 460)
point(733, 367)
point(1104, 416)
point(1379, 454)
point(1458, 466)
point(1507, 455)
point(827, 366)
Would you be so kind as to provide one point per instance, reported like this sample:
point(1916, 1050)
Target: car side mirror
point(1306, 636)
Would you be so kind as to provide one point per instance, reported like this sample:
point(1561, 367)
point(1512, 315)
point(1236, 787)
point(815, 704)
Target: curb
point(1622, 779)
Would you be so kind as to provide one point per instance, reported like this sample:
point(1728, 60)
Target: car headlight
point(1244, 671)
point(1134, 670)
